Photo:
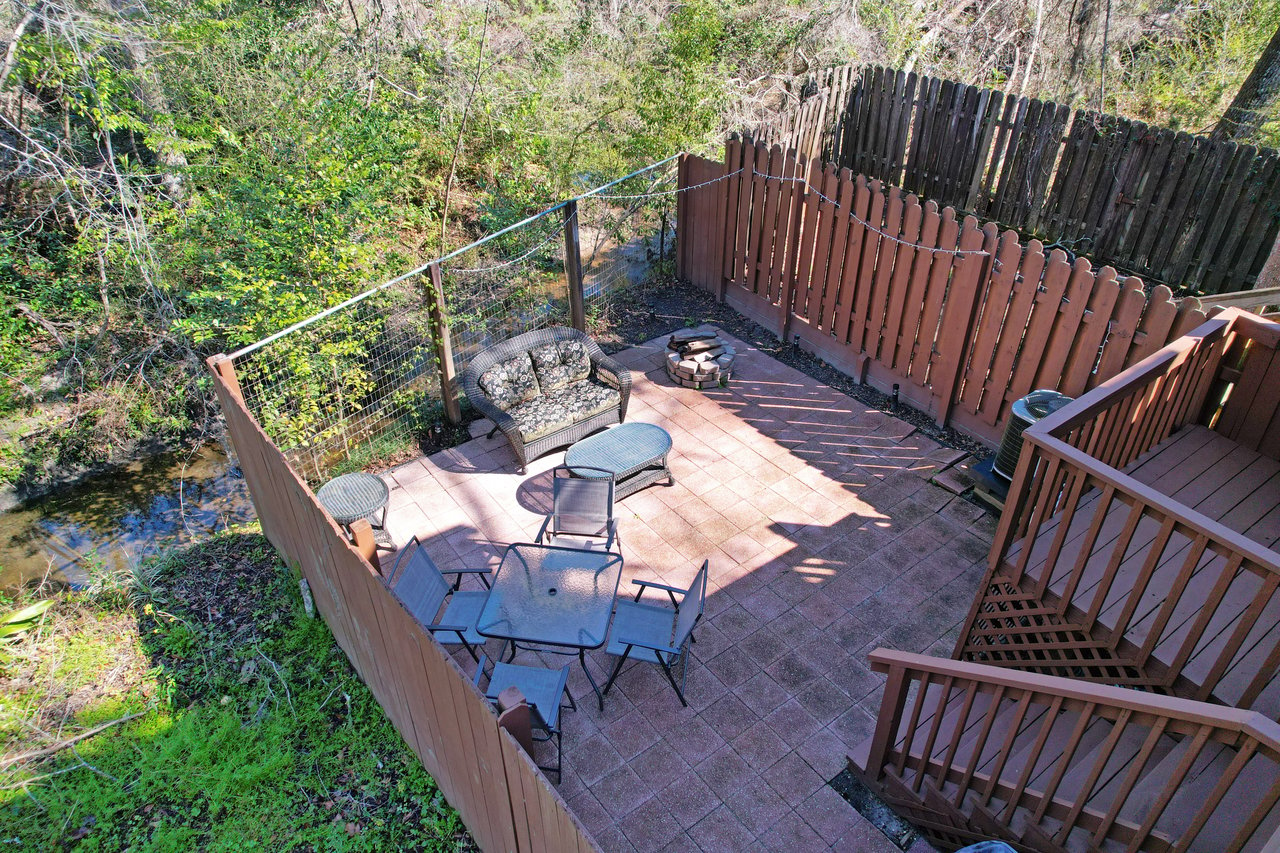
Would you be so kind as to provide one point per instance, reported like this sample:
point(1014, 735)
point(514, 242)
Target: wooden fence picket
point(1191, 212)
point(839, 270)
point(940, 267)
point(994, 304)
point(965, 319)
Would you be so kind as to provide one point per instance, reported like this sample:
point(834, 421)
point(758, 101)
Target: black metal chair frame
point(551, 524)
point(677, 654)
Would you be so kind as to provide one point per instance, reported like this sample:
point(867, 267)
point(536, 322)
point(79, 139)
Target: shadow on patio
point(826, 540)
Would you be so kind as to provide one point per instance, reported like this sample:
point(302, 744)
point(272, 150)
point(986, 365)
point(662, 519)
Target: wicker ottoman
point(636, 453)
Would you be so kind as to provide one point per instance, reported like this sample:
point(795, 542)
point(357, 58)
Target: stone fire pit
point(699, 359)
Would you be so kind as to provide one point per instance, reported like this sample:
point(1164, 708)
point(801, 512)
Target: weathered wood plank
point(899, 285)
point(935, 293)
point(1087, 346)
point(1157, 321)
point(881, 282)
point(908, 341)
point(995, 305)
point(1226, 207)
point(840, 242)
point(859, 244)
point(815, 247)
point(1128, 313)
point(872, 245)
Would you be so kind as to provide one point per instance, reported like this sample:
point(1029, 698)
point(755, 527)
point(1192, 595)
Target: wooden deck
point(1217, 478)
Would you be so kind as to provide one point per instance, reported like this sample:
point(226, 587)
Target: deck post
point(573, 267)
point(443, 345)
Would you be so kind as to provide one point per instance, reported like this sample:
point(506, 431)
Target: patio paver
point(826, 540)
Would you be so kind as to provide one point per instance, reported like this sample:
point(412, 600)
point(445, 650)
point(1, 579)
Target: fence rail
point(504, 800)
point(1185, 210)
point(893, 290)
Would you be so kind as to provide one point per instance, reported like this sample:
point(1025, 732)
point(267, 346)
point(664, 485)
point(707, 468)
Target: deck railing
point(1094, 574)
point(973, 752)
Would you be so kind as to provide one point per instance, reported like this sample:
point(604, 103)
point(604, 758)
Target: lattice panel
point(1014, 629)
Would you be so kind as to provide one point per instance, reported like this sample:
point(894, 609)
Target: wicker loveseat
point(546, 389)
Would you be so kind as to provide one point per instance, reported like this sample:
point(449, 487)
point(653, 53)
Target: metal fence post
point(444, 346)
point(573, 267)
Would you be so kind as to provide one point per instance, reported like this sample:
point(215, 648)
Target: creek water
point(122, 516)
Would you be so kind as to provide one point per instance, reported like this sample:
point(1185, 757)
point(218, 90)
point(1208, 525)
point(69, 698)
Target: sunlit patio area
point(826, 539)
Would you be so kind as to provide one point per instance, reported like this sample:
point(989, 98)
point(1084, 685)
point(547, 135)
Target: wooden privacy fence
point(1181, 209)
point(894, 291)
point(504, 800)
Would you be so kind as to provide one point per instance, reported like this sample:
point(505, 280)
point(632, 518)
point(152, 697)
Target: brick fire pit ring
point(699, 359)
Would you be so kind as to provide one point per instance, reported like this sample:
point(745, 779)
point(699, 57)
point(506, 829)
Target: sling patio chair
point(422, 589)
point(541, 688)
point(654, 634)
point(581, 510)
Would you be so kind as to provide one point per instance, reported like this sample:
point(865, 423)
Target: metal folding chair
point(582, 509)
point(654, 634)
point(422, 588)
point(541, 688)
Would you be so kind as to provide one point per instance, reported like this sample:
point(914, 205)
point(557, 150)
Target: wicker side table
point(352, 497)
point(635, 453)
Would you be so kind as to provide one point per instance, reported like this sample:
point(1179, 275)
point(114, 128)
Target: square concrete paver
point(826, 540)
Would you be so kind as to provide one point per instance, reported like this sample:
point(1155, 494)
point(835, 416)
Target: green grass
point(253, 733)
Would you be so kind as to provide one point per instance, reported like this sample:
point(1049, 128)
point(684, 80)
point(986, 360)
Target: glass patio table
point(547, 596)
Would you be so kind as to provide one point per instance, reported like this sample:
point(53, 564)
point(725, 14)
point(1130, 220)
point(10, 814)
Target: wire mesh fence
point(361, 383)
point(514, 284)
point(627, 236)
point(356, 385)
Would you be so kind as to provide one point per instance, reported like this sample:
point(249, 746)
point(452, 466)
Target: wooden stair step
point(1198, 482)
point(1258, 776)
point(1241, 675)
point(1198, 448)
point(1257, 645)
point(951, 710)
point(1252, 781)
point(1234, 512)
point(1059, 741)
point(1166, 456)
point(1085, 761)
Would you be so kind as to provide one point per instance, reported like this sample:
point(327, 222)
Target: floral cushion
point(565, 407)
point(510, 383)
point(573, 355)
point(558, 366)
point(545, 357)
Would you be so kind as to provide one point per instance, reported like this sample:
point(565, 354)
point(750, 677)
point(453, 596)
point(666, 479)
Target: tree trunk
point(1258, 96)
